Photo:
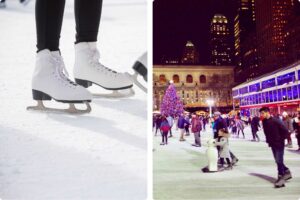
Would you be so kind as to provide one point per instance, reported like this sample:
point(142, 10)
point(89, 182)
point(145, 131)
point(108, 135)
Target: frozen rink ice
point(177, 171)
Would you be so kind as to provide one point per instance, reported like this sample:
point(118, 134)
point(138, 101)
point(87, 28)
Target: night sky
point(176, 21)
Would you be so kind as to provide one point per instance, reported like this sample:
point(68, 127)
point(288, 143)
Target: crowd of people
point(188, 123)
point(278, 131)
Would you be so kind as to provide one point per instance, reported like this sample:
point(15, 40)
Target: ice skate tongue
point(55, 53)
point(86, 45)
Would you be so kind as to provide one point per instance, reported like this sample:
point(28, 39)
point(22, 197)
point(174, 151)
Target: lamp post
point(210, 103)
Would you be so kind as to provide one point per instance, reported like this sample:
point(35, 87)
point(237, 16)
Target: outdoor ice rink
point(178, 175)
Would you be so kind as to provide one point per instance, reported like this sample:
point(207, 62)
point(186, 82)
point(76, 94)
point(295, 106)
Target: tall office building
point(245, 43)
point(271, 20)
point(221, 50)
point(190, 54)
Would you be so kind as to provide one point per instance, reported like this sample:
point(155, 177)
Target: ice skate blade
point(133, 78)
point(71, 110)
point(116, 94)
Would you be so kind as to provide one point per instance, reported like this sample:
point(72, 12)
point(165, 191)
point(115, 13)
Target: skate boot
point(140, 68)
point(88, 70)
point(287, 175)
point(50, 81)
point(280, 182)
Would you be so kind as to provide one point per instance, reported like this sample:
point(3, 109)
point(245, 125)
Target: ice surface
point(178, 175)
point(101, 155)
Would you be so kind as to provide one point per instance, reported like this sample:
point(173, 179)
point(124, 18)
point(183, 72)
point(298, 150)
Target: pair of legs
point(242, 130)
point(171, 132)
point(165, 137)
point(278, 154)
point(187, 131)
point(298, 140)
point(197, 139)
point(157, 129)
point(254, 135)
point(49, 18)
point(182, 130)
point(289, 140)
point(222, 161)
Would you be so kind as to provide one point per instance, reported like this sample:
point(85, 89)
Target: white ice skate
point(50, 80)
point(88, 70)
point(140, 68)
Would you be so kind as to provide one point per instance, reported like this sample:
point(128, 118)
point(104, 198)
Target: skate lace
point(99, 66)
point(62, 73)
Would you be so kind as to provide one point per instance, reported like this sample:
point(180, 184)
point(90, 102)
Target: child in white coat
point(222, 142)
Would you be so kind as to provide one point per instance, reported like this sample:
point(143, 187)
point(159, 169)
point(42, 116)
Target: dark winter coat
point(219, 124)
point(196, 125)
point(275, 132)
point(255, 124)
point(182, 122)
point(164, 126)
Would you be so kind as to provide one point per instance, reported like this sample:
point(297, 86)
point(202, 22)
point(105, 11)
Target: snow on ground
point(101, 155)
point(177, 171)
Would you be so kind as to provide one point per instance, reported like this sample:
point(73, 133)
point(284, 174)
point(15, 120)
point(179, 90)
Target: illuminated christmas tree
point(171, 104)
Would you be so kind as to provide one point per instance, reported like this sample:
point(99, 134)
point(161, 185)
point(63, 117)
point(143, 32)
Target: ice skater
point(164, 127)
point(224, 153)
point(196, 129)
point(50, 78)
point(276, 133)
point(296, 125)
point(255, 127)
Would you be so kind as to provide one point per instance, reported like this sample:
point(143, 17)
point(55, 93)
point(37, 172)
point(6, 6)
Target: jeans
point(278, 156)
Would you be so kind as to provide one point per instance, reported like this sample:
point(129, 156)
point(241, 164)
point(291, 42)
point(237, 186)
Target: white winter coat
point(224, 147)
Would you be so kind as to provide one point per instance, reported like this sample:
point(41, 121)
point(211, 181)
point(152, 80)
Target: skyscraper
point(245, 43)
point(271, 19)
point(190, 54)
point(221, 51)
point(292, 35)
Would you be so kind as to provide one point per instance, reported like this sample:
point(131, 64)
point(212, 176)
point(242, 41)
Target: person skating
point(196, 129)
point(255, 127)
point(50, 78)
point(240, 127)
point(181, 126)
point(288, 123)
point(224, 153)
point(220, 124)
point(187, 126)
point(276, 133)
point(158, 121)
point(171, 122)
point(164, 127)
point(296, 124)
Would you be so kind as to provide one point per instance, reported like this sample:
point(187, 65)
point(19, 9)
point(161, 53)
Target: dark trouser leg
point(278, 154)
point(48, 18)
point(162, 138)
point(232, 155)
point(87, 18)
point(156, 130)
point(222, 161)
point(298, 139)
point(228, 161)
point(171, 131)
point(289, 139)
point(254, 134)
point(166, 136)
